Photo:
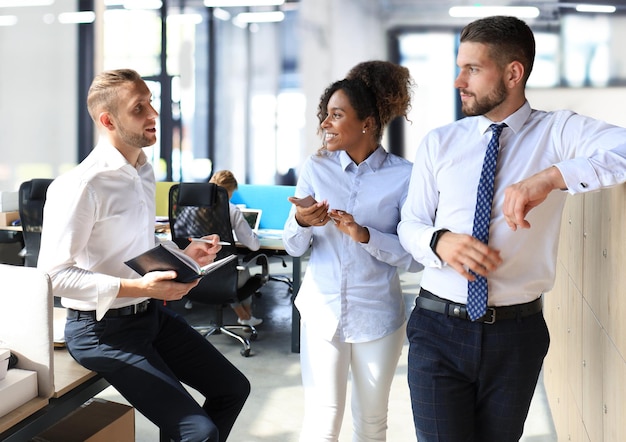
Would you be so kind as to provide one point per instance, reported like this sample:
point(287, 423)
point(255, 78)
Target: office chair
point(32, 197)
point(199, 209)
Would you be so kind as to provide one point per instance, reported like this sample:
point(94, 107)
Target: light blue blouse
point(351, 288)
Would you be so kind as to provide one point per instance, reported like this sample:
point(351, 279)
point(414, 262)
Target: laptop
point(253, 217)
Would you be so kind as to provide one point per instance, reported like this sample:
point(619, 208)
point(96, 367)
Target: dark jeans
point(147, 356)
point(472, 381)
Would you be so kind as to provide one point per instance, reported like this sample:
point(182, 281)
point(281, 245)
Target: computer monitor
point(253, 216)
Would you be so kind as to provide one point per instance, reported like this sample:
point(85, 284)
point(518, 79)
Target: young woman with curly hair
point(350, 301)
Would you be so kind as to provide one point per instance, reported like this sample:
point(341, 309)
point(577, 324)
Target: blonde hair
point(226, 179)
point(102, 95)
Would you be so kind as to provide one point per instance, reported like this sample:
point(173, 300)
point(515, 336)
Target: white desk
point(73, 386)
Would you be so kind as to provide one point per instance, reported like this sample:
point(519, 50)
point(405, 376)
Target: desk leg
point(295, 314)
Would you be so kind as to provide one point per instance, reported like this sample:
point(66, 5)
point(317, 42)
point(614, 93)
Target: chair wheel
point(245, 352)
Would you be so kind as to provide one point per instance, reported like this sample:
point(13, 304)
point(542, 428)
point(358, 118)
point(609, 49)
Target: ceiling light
point(142, 4)
point(184, 19)
point(486, 11)
point(15, 3)
point(77, 17)
point(260, 17)
point(8, 20)
point(605, 9)
point(235, 3)
point(221, 14)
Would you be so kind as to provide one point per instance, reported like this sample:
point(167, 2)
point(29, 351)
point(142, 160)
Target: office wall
point(585, 370)
point(38, 77)
point(335, 35)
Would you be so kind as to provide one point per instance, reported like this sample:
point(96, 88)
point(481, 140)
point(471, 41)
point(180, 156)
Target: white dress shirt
point(350, 287)
point(590, 154)
point(97, 216)
point(244, 234)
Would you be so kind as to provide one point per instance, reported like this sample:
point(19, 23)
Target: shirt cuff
point(108, 287)
point(430, 259)
point(579, 176)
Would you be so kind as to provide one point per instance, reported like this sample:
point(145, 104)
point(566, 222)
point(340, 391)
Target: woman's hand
point(345, 222)
point(315, 215)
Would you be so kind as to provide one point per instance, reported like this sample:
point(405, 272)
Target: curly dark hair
point(378, 89)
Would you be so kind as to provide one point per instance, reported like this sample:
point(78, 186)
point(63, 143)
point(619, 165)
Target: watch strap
point(435, 239)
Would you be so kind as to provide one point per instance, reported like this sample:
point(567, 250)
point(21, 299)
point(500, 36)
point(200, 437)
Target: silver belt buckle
point(492, 312)
point(139, 308)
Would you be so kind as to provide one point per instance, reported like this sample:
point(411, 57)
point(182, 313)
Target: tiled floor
point(274, 410)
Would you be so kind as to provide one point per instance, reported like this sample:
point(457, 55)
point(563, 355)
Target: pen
point(208, 241)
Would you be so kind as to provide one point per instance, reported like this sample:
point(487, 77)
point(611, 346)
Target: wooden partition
point(585, 370)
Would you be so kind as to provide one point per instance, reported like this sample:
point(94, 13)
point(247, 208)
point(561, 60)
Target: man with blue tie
point(483, 214)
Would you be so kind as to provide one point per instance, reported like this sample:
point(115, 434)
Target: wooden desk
point(11, 228)
point(73, 385)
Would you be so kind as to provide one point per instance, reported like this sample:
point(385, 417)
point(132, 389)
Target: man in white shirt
point(98, 216)
point(472, 376)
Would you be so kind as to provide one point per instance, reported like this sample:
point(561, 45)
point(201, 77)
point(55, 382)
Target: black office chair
point(32, 197)
point(198, 209)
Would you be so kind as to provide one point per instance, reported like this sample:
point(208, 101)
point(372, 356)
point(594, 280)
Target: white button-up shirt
point(349, 287)
point(97, 216)
point(245, 235)
point(590, 154)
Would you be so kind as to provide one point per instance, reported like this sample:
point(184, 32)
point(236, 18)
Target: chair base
point(228, 330)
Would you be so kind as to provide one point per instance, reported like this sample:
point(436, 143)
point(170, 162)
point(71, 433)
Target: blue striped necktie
point(477, 289)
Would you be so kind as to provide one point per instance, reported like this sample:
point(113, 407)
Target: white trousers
point(325, 366)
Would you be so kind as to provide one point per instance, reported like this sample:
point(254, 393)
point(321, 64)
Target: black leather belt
point(129, 310)
point(428, 301)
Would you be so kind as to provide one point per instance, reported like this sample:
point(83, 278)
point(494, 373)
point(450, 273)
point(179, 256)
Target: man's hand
point(520, 198)
point(463, 252)
point(157, 285)
point(204, 252)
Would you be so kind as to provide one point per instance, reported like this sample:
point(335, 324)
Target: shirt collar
point(374, 161)
point(114, 157)
point(515, 121)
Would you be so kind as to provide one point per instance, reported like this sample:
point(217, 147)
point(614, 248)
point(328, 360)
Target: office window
point(431, 57)
point(546, 69)
point(133, 38)
point(586, 55)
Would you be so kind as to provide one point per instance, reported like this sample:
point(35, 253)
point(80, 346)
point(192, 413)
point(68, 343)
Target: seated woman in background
point(246, 237)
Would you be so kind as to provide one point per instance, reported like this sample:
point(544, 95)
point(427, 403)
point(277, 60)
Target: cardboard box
point(9, 201)
point(5, 354)
point(17, 388)
point(97, 420)
point(6, 218)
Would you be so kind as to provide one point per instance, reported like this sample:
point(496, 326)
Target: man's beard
point(486, 104)
point(135, 139)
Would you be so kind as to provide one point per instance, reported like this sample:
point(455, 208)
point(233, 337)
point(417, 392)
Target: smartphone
point(307, 201)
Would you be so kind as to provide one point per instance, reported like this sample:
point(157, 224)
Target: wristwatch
point(435, 239)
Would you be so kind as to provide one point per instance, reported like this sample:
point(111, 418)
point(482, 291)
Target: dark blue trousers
point(471, 381)
point(147, 356)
